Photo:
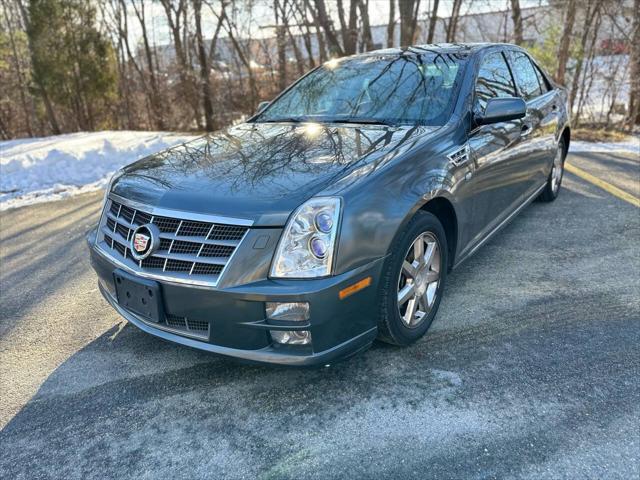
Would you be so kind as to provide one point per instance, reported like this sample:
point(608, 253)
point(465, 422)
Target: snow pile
point(48, 168)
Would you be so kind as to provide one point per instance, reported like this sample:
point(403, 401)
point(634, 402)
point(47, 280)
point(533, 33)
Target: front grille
point(189, 250)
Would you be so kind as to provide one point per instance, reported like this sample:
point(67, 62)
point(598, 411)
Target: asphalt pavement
point(530, 369)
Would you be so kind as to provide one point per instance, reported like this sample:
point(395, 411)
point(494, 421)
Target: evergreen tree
point(73, 63)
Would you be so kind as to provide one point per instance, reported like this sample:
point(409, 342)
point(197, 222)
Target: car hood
point(260, 171)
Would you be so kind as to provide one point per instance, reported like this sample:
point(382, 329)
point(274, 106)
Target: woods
point(193, 65)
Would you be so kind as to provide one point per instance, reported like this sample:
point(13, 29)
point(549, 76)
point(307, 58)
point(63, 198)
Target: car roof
point(441, 48)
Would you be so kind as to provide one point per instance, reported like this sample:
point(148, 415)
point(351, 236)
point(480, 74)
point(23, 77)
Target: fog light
point(291, 337)
point(291, 312)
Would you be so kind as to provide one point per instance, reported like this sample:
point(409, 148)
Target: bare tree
point(176, 15)
point(205, 83)
point(367, 37)
point(322, 18)
point(299, 12)
point(156, 102)
point(391, 25)
point(565, 40)
point(452, 26)
point(588, 77)
point(633, 110)
point(25, 101)
point(408, 20)
point(516, 16)
point(433, 18)
point(592, 13)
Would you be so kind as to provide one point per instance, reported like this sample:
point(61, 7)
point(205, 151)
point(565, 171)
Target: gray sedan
point(332, 217)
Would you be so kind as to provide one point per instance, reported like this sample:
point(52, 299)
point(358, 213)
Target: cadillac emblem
point(144, 241)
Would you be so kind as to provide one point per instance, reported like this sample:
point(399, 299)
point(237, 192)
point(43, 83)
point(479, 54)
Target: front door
point(496, 184)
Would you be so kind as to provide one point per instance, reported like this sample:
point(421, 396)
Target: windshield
point(414, 89)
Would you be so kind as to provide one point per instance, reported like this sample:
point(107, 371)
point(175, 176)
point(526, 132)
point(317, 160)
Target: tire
point(551, 190)
point(396, 324)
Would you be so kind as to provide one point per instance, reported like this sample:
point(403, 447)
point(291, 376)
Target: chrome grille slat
point(191, 251)
point(192, 258)
point(205, 240)
point(116, 237)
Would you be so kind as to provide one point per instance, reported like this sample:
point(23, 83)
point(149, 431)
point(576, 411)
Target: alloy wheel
point(419, 279)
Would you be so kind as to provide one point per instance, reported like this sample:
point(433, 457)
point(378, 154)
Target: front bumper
point(236, 315)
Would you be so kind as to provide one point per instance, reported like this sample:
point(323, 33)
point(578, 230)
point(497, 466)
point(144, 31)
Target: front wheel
point(550, 192)
point(413, 281)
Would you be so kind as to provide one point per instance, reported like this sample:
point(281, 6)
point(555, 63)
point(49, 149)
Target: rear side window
point(526, 76)
point(494, 80)
point(544, 84)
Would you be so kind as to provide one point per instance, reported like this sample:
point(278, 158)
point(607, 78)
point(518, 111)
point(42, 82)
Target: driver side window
point(494, 81)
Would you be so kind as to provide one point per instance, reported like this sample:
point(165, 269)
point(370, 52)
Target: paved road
point(530, 369)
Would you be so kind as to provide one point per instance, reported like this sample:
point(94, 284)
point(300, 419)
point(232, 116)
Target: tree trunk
point(408, 20)
point(516, 16)
point(367, 38)
point(325, 23)
point(124, 35)
point(391, 26)
point(453, 21)
point(21, 79)
point(588, 75)
point(294, 43)
point(204, 67)
point(301, 18)
point(349, 31)
point(281, 45)
point(156, 103)
point(565, 40)
point(344, 30)
point(308, 45)
point(433, 18)
point(175, 14)
point(593, 8)
point(241, 55)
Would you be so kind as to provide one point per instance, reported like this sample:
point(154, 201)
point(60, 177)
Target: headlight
point(308, 242)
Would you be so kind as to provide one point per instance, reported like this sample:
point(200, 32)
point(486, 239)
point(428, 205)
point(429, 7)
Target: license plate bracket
point(139, 295)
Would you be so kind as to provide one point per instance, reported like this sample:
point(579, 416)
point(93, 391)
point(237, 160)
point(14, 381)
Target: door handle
point(526, 130)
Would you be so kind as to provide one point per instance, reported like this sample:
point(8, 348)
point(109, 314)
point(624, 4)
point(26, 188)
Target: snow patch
point(631, 146)
point(49, 168)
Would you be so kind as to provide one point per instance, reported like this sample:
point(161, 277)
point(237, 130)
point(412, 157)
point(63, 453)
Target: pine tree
point(73, 63)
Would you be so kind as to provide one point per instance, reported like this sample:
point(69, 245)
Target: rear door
point(540, 124)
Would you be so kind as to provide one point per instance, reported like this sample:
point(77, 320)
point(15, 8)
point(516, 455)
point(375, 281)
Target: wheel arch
point(566, 136)
point(443, 209)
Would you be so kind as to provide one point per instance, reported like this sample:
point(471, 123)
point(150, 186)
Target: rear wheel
point(550, 193)
point(413, 280)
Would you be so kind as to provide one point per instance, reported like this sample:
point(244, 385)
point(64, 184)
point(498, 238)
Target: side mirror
point(502, 110)
point(262, 106)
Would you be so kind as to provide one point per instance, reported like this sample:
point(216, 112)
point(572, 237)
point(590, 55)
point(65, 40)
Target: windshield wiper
point(364, 121)
point(283, 119)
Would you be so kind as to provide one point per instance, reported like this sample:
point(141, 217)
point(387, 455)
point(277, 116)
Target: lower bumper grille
point(190, 251)
point(186, 325)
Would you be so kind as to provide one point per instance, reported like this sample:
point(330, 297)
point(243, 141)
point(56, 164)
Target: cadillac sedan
point(331, 218)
